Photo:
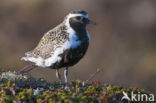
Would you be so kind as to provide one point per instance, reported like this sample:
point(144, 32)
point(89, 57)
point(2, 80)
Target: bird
point(63, 46)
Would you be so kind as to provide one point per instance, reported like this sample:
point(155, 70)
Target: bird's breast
point(71, 51)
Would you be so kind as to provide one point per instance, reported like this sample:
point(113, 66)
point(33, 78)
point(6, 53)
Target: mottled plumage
point(50, 41)
point(64, 45)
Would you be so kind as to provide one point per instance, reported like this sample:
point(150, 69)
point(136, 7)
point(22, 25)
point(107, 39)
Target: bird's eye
point(78, 17)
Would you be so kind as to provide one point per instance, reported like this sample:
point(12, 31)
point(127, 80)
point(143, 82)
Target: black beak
point(91, 22)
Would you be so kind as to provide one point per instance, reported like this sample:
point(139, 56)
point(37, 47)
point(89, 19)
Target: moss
point(16, 87)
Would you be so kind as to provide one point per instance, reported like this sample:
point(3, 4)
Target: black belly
point(71, 56)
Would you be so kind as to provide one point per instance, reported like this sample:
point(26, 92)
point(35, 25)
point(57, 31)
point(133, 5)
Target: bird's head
point(78, 19)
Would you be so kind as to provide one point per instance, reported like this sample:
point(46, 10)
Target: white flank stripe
point(72, 43)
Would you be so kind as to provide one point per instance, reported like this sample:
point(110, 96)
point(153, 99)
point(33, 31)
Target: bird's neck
point(80, 32)
point(78, 28)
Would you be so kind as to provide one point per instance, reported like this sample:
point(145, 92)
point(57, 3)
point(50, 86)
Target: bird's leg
point(66, 75)
point(27, 68)
point(58, 76)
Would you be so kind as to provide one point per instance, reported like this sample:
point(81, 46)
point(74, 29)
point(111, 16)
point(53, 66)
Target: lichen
point(22, 88)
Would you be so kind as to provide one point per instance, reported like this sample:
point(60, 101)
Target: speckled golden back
point(50, 41)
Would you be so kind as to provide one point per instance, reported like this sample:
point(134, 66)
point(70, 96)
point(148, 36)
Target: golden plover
point(62, 46)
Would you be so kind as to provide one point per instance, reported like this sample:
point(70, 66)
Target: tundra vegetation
point(22, 88)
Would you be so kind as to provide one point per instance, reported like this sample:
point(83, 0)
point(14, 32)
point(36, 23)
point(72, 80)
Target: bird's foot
point(61, 83)
point(67, 84)
point(64, 84)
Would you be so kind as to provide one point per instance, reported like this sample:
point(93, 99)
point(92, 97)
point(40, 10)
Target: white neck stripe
point(73, 15)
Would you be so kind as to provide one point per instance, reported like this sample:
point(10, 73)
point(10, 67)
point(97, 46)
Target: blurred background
point(123, 43)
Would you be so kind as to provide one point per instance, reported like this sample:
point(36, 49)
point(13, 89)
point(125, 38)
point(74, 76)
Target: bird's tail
point(26, 55)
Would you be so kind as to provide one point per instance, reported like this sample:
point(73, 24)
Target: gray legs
point(65, 76)
point(58, 76)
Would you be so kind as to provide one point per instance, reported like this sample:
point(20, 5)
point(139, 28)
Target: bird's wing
point(50, 41)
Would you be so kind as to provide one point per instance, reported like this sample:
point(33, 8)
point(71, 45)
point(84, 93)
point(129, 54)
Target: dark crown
point(79, 12)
